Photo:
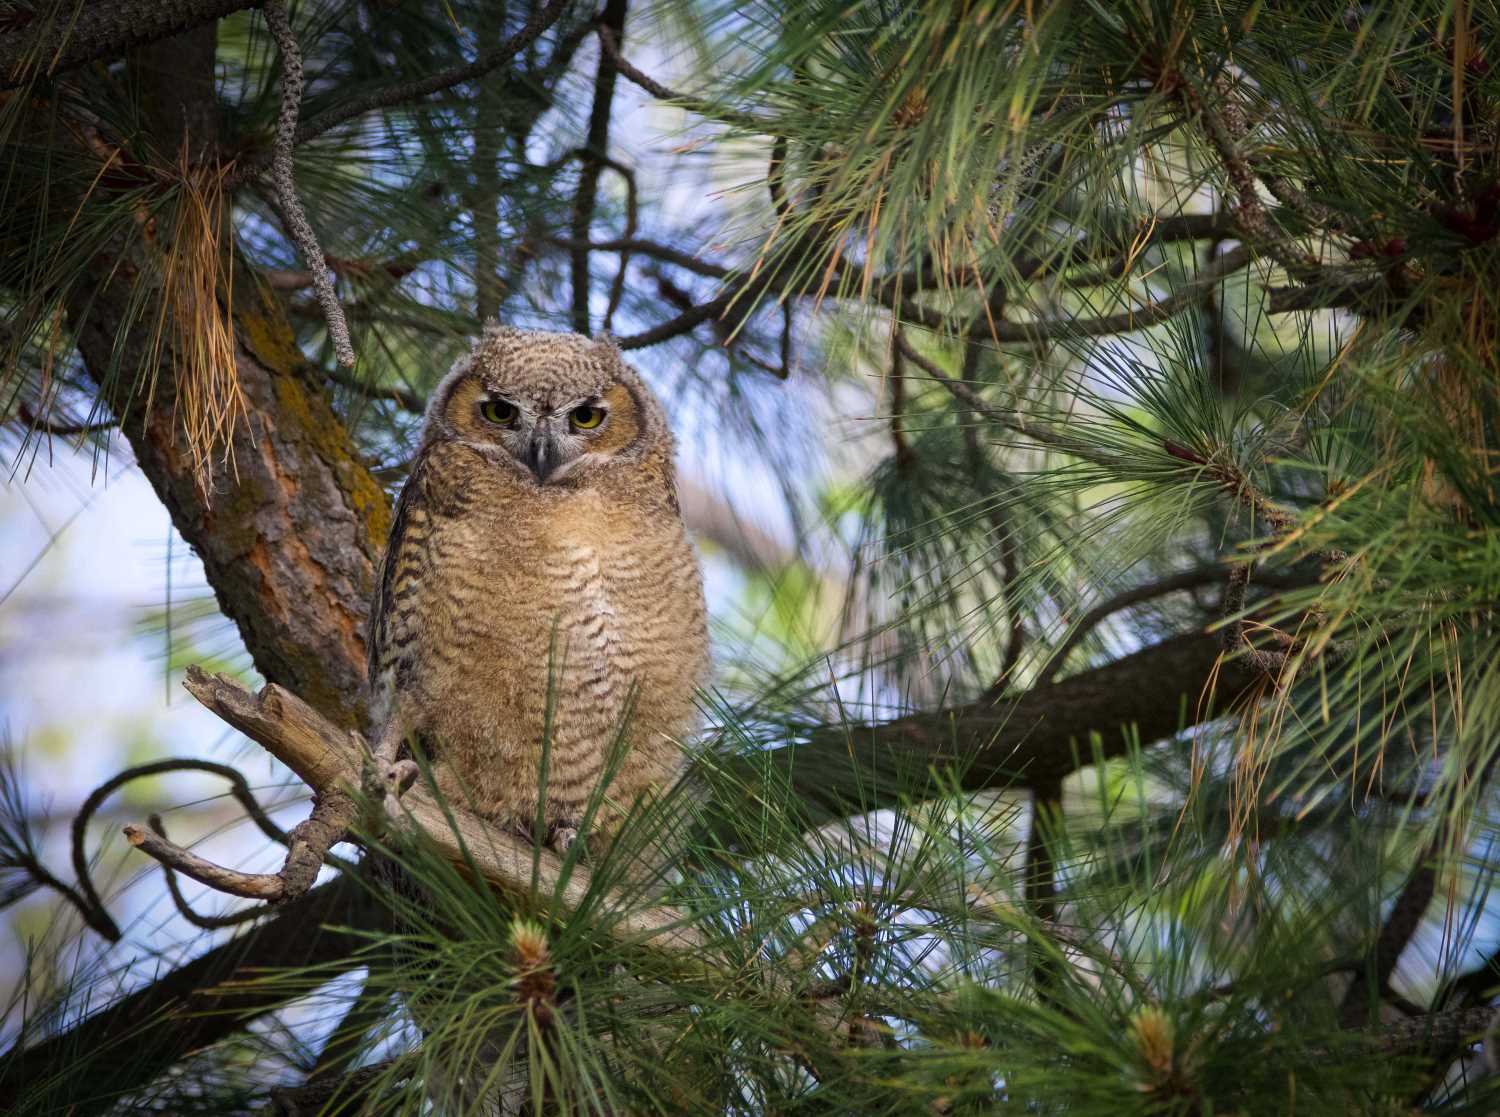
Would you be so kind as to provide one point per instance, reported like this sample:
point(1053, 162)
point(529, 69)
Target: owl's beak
point(543, 454)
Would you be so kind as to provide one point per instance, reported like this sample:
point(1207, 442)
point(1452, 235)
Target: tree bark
point(1030, 741)
point(290, 532)
point(64, 34)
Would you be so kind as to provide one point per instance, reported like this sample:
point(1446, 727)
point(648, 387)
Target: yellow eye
point(586, 418)
point(499, 412)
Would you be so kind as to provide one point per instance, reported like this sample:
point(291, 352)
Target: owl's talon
point(395, 778)
point(562, 837)
point(398, 776)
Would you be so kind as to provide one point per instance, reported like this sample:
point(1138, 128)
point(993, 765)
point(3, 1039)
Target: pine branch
point(332, 762)
point(638, 77)
point(1137, 595)
point(1039, 876)
point(33, 422)
point(1225, 126)
point(1436, 1032)
point(1037, 737)
point(404, 398)
point(337, 1095)
point(134, 1040)
point(655, 249)
point(415, 90)
point(1011, 419)
point(1372, 982)
point(1043, 331)
point(60, 35)
point(595, 149)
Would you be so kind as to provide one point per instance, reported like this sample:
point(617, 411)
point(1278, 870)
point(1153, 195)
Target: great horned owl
point(537, 554)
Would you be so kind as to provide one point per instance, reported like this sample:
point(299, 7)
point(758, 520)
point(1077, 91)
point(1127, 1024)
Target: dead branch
point(258, 886)
point(186, 910)
point(331, 761)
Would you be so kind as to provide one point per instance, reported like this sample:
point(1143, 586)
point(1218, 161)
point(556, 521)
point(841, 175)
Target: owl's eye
point(499, 412)
point(586, 418)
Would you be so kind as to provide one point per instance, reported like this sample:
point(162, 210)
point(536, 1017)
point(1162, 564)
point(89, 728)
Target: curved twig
point(184, 909)
point(307, 843)
point(238, 787)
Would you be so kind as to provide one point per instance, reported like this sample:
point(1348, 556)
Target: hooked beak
point(543, 455)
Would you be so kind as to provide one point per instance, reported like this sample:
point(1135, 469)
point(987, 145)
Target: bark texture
point(59, 35)
point(290, 531)
point(1031, 740)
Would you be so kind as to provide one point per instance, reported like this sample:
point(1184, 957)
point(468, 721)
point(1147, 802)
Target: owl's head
point(555, 407)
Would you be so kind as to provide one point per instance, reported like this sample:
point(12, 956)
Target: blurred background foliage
point(1007, 344)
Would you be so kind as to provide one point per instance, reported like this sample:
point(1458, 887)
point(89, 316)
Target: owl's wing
point(402, 560)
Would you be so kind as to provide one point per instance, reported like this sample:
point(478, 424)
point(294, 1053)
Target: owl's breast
point(567, 627)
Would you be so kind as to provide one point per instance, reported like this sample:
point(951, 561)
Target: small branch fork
point(333, 762)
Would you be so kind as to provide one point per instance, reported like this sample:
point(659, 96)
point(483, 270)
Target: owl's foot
point(395, 778)
point(562, 834)
point(389, 774)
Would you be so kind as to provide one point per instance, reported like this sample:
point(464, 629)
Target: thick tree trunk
point(291, 529)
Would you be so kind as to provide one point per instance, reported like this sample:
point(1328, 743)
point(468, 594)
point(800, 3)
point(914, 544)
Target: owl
point(539, 586)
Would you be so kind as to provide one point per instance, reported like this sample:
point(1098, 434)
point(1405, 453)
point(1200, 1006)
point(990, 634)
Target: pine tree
point(1117, 732)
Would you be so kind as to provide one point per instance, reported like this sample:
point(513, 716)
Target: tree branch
point(595, 150)
point(1046, 330)
point(654, 249)
point(185, 909)
point(62, 37)
point(638, 77)
point(1040, 736)
point(404, 398)
point(331, 761)
point(197, 1004)
point(1371, 981)
point(1136, 595)
point(542, 19)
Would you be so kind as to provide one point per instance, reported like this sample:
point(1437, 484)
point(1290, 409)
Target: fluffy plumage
point(535, 537)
